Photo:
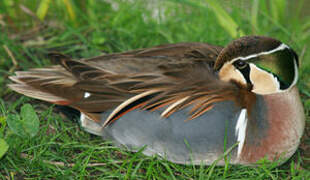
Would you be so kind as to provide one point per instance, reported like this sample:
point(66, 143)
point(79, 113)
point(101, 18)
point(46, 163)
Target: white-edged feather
point(169, 108)
point(126, 103)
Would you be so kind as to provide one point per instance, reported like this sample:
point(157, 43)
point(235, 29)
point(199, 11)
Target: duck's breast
point(274, 128)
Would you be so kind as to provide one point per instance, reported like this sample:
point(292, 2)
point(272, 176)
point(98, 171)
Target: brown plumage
point(173, 76)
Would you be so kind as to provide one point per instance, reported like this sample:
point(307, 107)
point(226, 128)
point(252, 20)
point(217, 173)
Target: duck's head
point(262, 64)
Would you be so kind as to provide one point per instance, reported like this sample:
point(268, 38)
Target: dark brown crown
point(245, 46)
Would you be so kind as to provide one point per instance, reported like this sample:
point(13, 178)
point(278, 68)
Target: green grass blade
point(43, 8)
point(224, 19)
point(70, 11)
point(277, 9)
point(254, 15)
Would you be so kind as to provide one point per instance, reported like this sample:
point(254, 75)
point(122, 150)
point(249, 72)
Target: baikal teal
point(184, 101)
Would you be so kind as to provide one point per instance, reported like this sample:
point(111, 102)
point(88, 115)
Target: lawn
point(58, 148)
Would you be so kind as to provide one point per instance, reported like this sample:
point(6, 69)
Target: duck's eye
point(239, 64)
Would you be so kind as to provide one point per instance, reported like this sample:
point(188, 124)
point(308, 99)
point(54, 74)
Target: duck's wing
point(169, 76)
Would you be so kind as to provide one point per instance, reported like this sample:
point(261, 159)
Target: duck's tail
point(53, 84)
point(56, 85)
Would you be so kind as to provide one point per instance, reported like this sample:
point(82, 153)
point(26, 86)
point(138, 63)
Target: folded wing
point(171, 77)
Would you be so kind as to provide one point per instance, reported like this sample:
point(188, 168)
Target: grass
point(31, 29)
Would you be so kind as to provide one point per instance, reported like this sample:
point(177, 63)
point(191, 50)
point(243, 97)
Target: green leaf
point(2, 125)
point(30, 119)
point(15, 124)
point(3, 147)
point(27, 124)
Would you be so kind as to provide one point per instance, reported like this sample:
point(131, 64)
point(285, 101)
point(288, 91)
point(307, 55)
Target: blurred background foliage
point(29, 29)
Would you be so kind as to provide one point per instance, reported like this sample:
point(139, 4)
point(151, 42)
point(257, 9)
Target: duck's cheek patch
point(228, 72)
point(263, 82)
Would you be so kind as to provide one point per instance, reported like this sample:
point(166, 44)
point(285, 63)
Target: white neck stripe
point(241, 130)
point(296, 73)
point(279, 48)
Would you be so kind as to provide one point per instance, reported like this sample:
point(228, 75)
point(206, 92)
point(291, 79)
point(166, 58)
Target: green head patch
point(281, 63)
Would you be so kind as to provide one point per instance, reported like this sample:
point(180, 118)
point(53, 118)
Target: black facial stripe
point(244, 68)
point(246, 73)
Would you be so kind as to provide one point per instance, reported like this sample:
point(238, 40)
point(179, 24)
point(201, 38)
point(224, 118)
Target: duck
point(189, 103)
